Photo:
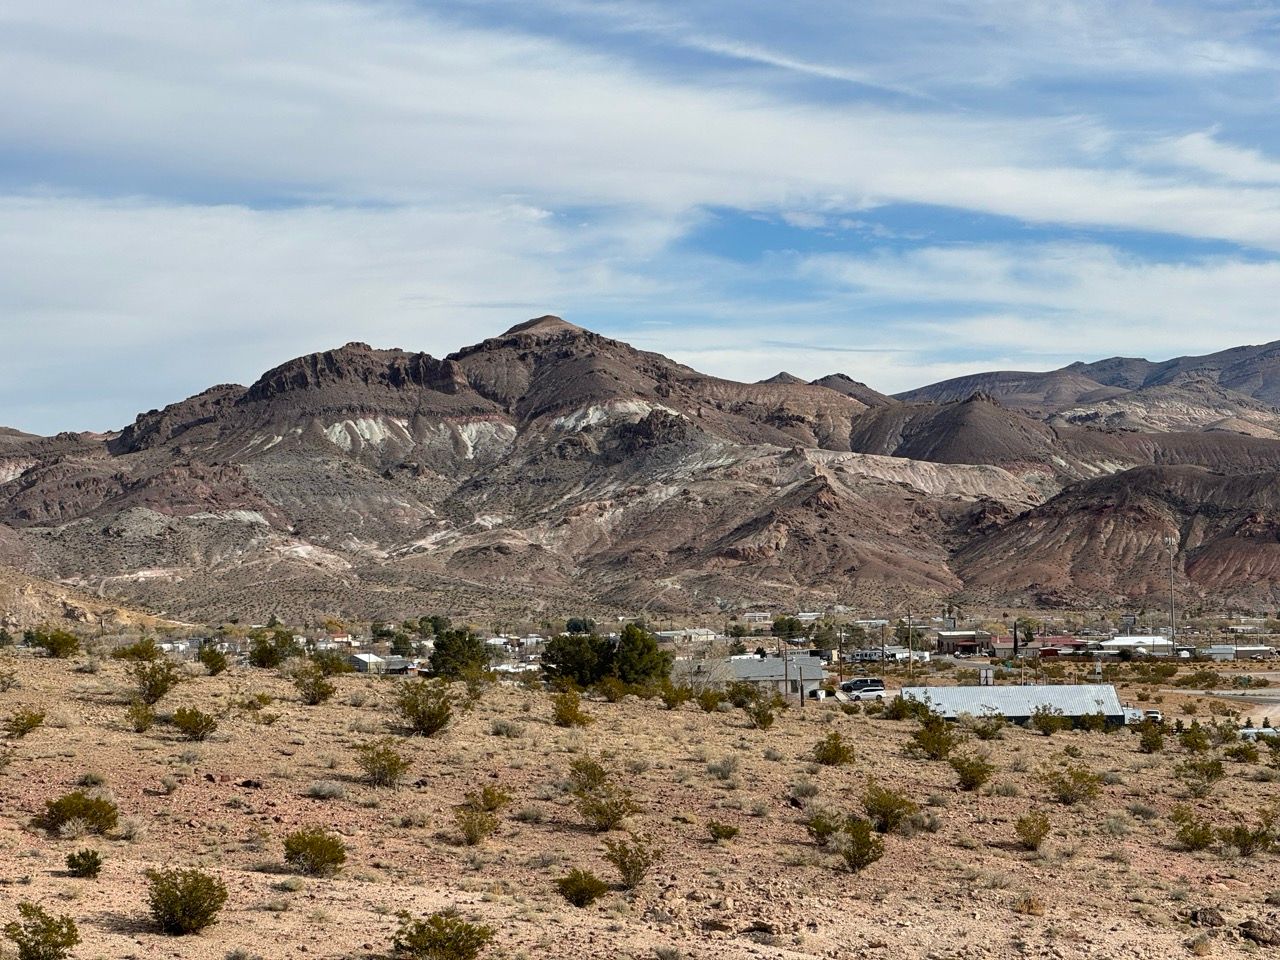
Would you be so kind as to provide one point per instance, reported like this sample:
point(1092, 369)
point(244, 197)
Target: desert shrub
point(972, 771)
point(140, 716)
point(1192, 833)
point(1200, 774)
point(382, 763)
point(724, 768)
point(935, 739)
point(906, 708)
point(330, 662)
point(489, 798)
point(822, 825)
point(440, 936)
point(762, 710)
point(194, 724)
point(709, 700)
point(833, 751)
point(607, 807)
point(213, 659)
point(506, 728)
point(143, 650)
point(581, 887)
point(85, 864)
point(1032, 829)
point(39, 935)
point(566, 710)
point(1248, 841)
point(1151, 737)
point(1048, 720)
point(474, 823)
point(184, 901)
point(858, 844)
point(22, 722)
point(314, 851)
point(326, 790)
point(721, 831)
point(1195, 739)
point(674, 695)
point(1072, 783)
point(740, 693)
point(887, 809)
point(270, 648)
point(58, 644)
point(155, 678)
point(8, 679)
point(1244, 752)
point(424, 706)
point(632, 858)
point(611, 689)
point(1092, 722)
point(587, 774)
point(313, 686)
point(97, 814)
point(989, 727)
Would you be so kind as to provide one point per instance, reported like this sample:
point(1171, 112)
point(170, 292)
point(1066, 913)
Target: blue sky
point(191, 193)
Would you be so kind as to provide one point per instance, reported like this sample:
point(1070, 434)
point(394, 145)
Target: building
point(367, 663)
point(691, 635)
point(963, 641)
point(1237, 651)
point(1150, 645)
point(1018, 703)
point(786, 675)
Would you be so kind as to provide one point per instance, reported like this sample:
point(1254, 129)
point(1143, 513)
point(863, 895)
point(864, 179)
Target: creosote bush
point(440, 936)
point(1072, 783)
point(96, 814)
point(194, 724)
point(972, 771)
point(38, 935)
point(935, 739)
point(1049, 720)
point(858, 844)
point(822, 825)
point(1032, 829)
point(474, 824)
point(58, 644)
point(313, 686)
point(314, 851)
point(155, 678)
point(21, 722)
point(888, 809)
point(424, 706)
point(1200, 774)
point(1192, 833)
point(581, 887)
point(382, 763)
point(762, 710)
point(144, 650)
point(566, 710)
point(632, 858)
point(1151, 737)
point(140, 716)
point(184, 901)
point(721, 831)
point(988, 727)
point(602, 804)
point(85, 864)
point(833, 751)
point(213, 659)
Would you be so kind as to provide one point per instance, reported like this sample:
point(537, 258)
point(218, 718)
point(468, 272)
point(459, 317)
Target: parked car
point(864, 688)
point(1155, 716)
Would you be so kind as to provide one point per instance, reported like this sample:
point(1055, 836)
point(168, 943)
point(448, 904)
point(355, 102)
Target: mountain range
point(551, 471)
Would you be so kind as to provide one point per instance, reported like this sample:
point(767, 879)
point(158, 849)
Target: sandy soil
point(1111, 882)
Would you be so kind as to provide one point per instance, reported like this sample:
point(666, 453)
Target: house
point(1065, 646)
point(1237, 651)
point(1149, 645)
point(367, 663)
point(393, 664)
point(1018, 703)
point(963, 641)
point(691, 635)
point(787, 675)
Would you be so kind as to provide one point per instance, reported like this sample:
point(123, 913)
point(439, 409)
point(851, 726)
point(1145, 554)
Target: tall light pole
point(1172, 544)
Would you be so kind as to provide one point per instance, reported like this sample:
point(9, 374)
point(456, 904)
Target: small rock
point(1260, 933)
point(1205, 917)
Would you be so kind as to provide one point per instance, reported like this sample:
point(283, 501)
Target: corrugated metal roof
point(1073, 700)
point(771, 668)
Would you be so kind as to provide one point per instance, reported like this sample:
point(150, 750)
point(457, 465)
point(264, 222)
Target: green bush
point(674, 696)
point(1092, 722)
point(86, 864)
point(312, 850)
point(1072, 783)
point(382, 763)
point(1049, 720)
point(586, 774)
point(709, 700)
point(632, 858)
point(184, 901)
point(833, 751)
point(989, 727)
point(887, 809)
point(906, 708)
point(1244, 752)
point(762, 710)
point(607, 807)
point(1192, 833)
point(58, 644)
point(268, 649)
point(155, 678)
point(822, 825)
point(581, 887)
point(1151, 737)
point(1200, 774)
point(22, 722)
point(41, 936)
point(313, 685)
point(489, 798)
point(194, 724)
point(475, 824)
point(1032, 829)
point(98, 814)
point(331, 663)
point(440, 936)
point(1248, 841)
point(1195, 739)
point(858, 844)
point(145, 649)
point(566, 710)
point(612, 689)
point(140, 716)
point(936, 738)
point(972, 771)
point(424, 706)
point(721, 831)
point(213, 659)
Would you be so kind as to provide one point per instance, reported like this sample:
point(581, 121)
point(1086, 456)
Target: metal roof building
point(1019, 703)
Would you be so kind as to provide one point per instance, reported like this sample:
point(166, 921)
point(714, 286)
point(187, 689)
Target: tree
point(637, 658)
point(788, 628)
point(580, 625)
point(577, 657)
point(402, 645)
point(458, 653)
point(272, 648)
point(58, 644)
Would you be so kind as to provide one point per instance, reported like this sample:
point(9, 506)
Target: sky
point(192, 192)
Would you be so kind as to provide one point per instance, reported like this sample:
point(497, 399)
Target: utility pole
point(1172, 544)
point(911, 658)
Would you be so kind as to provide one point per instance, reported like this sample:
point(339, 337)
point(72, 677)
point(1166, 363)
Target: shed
point(367, 663)
point(1018, 703)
